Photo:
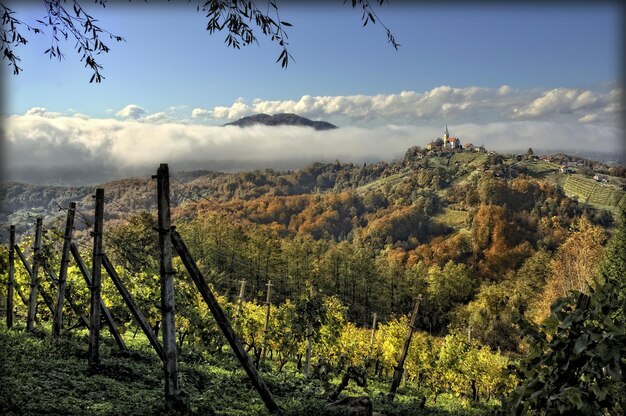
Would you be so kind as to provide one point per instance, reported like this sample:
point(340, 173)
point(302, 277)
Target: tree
point(577, 366)
point(240, 19)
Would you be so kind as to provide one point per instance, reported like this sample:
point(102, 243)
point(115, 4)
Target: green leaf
point(581, 344)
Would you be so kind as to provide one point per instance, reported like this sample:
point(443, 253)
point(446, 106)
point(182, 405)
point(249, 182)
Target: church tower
point(446, 135)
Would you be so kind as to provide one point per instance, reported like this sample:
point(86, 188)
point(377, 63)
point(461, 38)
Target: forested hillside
point(484, 239)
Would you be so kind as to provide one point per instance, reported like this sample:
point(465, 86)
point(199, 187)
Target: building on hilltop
point(450, 142)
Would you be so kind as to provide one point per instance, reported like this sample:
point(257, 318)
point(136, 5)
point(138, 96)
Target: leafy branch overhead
point(241, 19)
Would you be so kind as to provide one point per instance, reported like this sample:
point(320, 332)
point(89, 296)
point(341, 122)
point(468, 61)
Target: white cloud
point(475, 104)
point(102, 149)
point(41, 112)
point(131, 111)
point(200, 113)
point(588, 118)
point(160, 117)
point(560, 101)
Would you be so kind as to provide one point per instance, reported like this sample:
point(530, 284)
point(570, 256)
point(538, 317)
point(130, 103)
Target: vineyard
point(597, 194)
point(403, 298)
point(303, 336)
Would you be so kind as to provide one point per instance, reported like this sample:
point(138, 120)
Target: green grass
point(541, 169)
point(451, 217)
point(38, 376)
point(391, 181)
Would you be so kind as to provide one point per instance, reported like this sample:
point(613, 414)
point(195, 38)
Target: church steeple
point(446, 135)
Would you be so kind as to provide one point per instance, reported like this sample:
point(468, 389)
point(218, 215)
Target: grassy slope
point(40, 377)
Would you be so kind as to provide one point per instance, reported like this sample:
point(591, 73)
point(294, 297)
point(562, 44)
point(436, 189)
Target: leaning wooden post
point(170, 365)
point(105, 311)
point(399, 369)
point(266, 327)
point(32, 299)
point(96, 279)
point(65, 260)
point(11, 273)
point(130, 302)
point(46, 299)
point(53, 278)
point(223, 323)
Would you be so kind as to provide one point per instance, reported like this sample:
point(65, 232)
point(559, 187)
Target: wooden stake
point(240, 297)
point(96, 280)
point(266, 327)
point(399, 369)
point(105, 311)
point(11, 272)
point(130, 302)
point(170, 364)
point(57, 325)
point(309, 337)
point(223, 323)
point(32, 299)
point(372, 337)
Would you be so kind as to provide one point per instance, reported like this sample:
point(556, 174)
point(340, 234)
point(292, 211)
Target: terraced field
point(598, 195)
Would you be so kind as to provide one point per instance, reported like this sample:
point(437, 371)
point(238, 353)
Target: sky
point(512, 76)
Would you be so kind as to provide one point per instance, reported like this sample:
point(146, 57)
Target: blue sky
point(555, 66)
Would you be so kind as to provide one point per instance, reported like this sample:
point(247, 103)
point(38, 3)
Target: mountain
point(282, 119)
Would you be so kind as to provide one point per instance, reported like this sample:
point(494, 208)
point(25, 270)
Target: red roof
point(452, 139)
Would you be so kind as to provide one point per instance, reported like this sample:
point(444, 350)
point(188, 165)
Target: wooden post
point(32, 299)
point(53, 277)
point(170, 365)
point(47, 300)
point(130, 302)
point(309, 336)
point(372, 337)
point(399, 369)
point(240, 297)
point(266, 327)
point(65, 259)
point(11, 272)
point(223, 323)
point(105, 311)
point(96, 280)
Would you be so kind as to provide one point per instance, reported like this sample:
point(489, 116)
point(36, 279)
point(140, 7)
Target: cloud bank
point(444, 102)
point(44, 147)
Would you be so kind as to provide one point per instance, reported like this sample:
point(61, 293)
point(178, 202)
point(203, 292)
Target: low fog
point(44, 149)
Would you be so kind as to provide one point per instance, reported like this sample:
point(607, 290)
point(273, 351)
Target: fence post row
point(399, 369)
point(170, 365)
point(65, 259)
point(32, 299)
point(11, 276)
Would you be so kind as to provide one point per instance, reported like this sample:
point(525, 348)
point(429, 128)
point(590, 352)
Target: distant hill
point(282, 119)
